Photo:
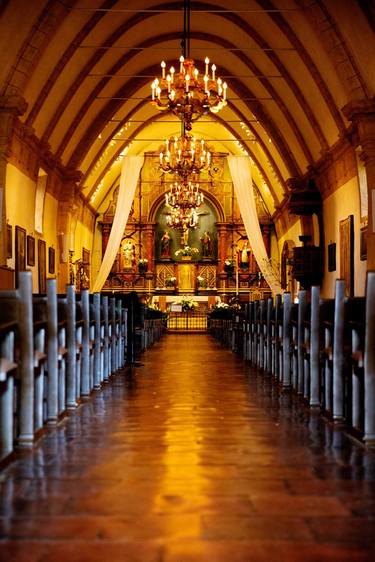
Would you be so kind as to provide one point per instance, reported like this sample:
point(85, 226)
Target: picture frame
point(42, 272)
point(9, 248)
point(332, 256)
point(347, 254)
point(51, 261)
point(30, 250)
point(20, 249)
point(363, 243)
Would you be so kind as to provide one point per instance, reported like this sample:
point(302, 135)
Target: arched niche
point(208, 217)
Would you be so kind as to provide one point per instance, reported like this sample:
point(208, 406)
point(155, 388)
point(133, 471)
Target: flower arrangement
point(170, 281)
point(229, 266)
point(201, 281)
point(186, 251)
point(221, 305)
point(142, 264)
point(187, 304)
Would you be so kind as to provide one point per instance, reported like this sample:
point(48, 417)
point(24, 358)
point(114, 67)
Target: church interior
point(187, 268)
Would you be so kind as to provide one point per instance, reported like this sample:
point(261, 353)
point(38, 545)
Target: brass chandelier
point(185, 156)
point(182, 219)
point(184, 196)
point(186, 93)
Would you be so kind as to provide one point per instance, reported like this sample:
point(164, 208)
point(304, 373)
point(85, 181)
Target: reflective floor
point(192, 458)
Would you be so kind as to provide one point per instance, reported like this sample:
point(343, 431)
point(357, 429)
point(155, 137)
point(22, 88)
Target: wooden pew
point(17, 347)
point(72, 318)
point(275, 337)
point(8, 369)
point(369, 362)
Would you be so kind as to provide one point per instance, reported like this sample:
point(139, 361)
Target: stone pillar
point(222, 233)
point(10, 108)
point(362, 114)
point(149, 230)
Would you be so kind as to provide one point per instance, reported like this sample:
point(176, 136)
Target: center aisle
point(192, 458)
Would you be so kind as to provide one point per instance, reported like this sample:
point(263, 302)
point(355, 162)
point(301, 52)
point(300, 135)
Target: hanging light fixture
point(182, 219)
point(184, 196)
point(185, 156)
point(186, 93)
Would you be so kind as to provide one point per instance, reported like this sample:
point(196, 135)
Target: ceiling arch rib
point(59, 66)
point(132, 85)
point(236, 112)
point(261, 145)
point(270, 53)
point(276, 80)
point(336, 48)
point(286, 29)
point(281, 67)
point(143, 128)
point(210, 38)
point(36, 41)
point(226, 45)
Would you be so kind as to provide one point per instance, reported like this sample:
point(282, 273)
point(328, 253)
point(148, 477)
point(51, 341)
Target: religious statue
point(206, 244)
point(165, 251)
point(185, 236)
point(244, 256)
point(128, 250)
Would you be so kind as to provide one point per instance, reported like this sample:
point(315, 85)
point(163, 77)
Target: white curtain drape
point(131, 167)
point(241, 176)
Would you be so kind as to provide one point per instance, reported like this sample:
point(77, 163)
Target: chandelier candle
point(186, 95)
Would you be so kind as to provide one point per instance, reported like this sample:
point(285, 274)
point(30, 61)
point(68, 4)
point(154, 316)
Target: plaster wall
point(338, 206)
point(291, 234)
point(20, 211)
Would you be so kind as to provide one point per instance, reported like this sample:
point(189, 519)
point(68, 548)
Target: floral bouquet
point(143, 264)
point(201, 282)
point(186, 251)
point(187, 304)
point(221, 305)
point(170, 281)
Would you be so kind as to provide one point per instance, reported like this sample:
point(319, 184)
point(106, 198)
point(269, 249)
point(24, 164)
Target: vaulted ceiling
point(85, 67)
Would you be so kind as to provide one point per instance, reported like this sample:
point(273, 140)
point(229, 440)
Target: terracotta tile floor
point(194, 457)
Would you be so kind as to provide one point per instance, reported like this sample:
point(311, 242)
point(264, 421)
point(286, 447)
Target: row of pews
point(55, 350)
point(322, 349)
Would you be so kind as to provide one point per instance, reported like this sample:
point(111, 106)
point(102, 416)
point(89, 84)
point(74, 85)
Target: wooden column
point(222, 233)
point(106, 231)
point(149, 230)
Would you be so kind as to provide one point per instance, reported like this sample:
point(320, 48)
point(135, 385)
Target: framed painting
point(42, 272)
point(9, 241)
point(51, 261)
point(363, 244)
point(20, 249)
point(332, 257)
point(347, 254)
point(30, 250)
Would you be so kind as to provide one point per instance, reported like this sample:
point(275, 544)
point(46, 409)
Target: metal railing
point(187, 321)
